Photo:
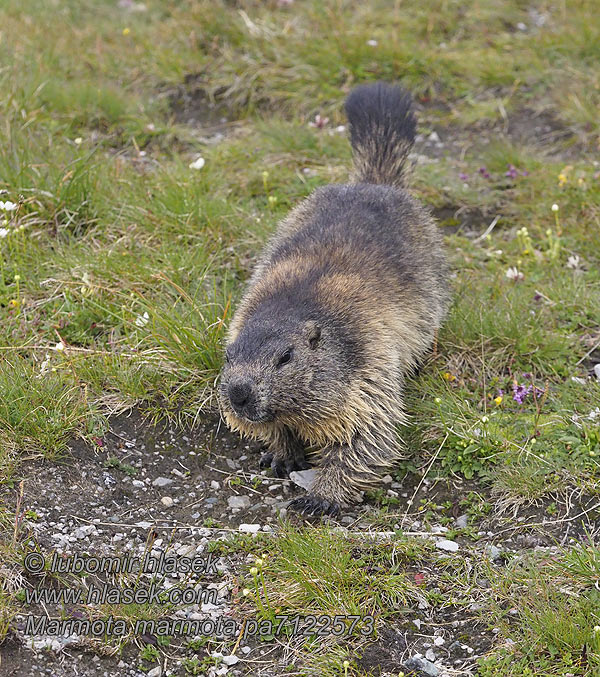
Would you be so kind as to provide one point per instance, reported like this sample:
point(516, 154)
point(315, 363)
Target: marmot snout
point(344, 301)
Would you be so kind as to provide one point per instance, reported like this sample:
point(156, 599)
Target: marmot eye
point(285, 358)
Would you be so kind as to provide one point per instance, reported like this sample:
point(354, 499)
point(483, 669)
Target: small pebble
point(445, 544)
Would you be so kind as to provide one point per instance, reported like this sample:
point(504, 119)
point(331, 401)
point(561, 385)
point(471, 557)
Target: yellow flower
point(498, 400)
point(13, 303)
point(449, 376)
point(126, 31)
point(562, 179)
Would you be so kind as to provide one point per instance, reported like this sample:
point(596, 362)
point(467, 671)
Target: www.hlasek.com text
point(110, 594)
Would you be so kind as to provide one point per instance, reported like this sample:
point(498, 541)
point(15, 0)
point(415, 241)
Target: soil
point(142, 483)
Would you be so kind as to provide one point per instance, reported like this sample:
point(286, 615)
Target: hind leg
point(285, 454)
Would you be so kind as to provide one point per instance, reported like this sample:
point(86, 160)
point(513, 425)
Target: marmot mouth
point(256, 418)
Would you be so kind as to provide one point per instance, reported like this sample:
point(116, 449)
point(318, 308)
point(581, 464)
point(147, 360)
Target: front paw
point(282, 467)
point(265, 461)
point(312, 505)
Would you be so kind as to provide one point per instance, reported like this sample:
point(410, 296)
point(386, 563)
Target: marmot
point(343, 303)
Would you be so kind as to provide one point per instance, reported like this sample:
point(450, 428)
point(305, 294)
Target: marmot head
point(281, 369)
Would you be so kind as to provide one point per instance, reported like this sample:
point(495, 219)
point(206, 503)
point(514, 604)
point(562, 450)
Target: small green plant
point(470, 456)
point(150, 654)
point(116, 464)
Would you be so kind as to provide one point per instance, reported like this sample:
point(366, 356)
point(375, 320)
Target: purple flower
point(512, 172)
point(520, 392)
point(484, 172)
point(463, 177)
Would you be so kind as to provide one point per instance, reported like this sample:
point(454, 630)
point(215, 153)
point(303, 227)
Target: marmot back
point(344, 301)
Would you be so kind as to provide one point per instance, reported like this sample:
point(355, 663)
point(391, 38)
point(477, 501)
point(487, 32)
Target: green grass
point(555, 627)
point(131, 262)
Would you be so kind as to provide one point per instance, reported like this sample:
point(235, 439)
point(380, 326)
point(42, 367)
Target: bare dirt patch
point(162, 487)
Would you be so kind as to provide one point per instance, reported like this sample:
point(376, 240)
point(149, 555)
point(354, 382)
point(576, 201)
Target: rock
point(439, 641)
point(249, 529)
point(433, 137)
point(304, 478)
point(240, 502)
point(162, 482)
point(493, 552)
point(445, 544)
point(597, 371)
point(387, 479)
point(155, 672)
point(215, 485)
point(461, 521)
point(230, 660)
point(167, 501)
point(423, 665)
point(430, 655)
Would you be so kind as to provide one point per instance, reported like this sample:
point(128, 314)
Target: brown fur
point(345, 300)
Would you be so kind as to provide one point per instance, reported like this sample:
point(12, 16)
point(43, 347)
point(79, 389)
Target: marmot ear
point(312, 333)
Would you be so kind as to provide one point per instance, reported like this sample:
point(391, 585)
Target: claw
point(265, 461)
point(314, 506)
point(279, 468)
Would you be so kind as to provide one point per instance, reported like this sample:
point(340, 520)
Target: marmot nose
point(239, 394)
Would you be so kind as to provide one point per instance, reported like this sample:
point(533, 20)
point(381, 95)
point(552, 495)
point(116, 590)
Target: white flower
point(514, 274)
point(554, 207)
point(198, 163)
point(319, 122)
point(3, 232)
point(44, 365)
point(78, 141)
point(60, 346)
point(142, 320)
point(573, 261)
point(372, 43)
point(8, 206)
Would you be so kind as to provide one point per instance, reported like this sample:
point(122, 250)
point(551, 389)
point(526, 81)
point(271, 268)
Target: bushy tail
point(382, 132)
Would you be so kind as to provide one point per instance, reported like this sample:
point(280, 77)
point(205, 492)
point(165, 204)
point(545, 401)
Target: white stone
point(304, 478)
point(162, 482)
point(249, 528)
point(445, 544)
point(238, 502)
